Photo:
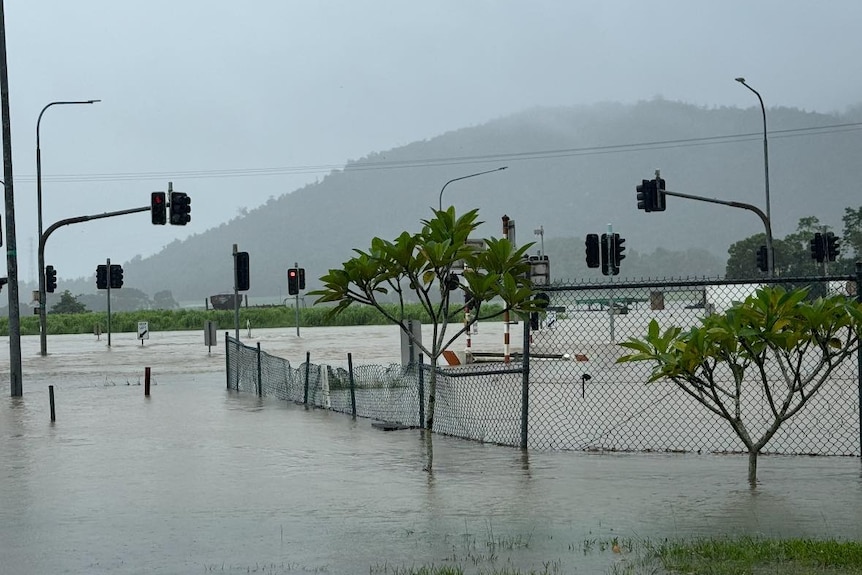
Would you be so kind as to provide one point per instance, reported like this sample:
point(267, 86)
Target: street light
point(43, 320)
point(770, 260)
point(440, 202)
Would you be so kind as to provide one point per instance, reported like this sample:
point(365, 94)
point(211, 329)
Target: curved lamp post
point(770, 255)
point(440, 202)
point(43, 320)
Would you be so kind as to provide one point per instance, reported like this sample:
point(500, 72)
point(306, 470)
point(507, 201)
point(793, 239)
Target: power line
point(450, 161)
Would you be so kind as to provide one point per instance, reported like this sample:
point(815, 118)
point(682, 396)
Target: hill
point(571, 171)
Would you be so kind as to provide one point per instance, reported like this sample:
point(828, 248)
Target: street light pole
point(770, 259)
point(440, 202)
point(540, 231)
point(43, 319)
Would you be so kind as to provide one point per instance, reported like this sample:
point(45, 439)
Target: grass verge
point(705, 556)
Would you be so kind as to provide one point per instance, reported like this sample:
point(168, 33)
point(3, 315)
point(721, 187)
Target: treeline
point(180, 320)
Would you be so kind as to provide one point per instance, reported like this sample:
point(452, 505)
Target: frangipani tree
point(423, 267)
point(715, 362)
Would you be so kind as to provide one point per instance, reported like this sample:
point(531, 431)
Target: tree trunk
point(429, 418)
point(752, 467)
point(429, 450)
point(432, 393)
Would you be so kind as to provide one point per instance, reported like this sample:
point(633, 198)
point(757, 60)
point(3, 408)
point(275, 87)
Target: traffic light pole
point(763, 217)
point(611, 269)
point(235, 294)
point(296, 302)
point(43, 319)
point(108, 273)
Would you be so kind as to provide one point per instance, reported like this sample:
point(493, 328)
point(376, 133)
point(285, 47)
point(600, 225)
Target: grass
point(704, 556)
point(756, 555)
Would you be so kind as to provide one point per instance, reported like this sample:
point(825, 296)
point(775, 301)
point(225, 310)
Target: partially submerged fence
point(480, 404)
point(569, 392)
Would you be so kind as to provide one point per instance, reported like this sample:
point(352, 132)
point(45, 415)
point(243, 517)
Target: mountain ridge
point(571, 170)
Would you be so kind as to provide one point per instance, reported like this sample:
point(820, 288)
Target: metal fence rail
point(570, 392)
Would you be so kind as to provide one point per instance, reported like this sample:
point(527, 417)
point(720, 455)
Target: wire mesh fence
point(568, 392)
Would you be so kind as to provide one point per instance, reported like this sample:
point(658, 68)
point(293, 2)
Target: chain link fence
point(568, 391)
point(582, 399)
point(479, 404)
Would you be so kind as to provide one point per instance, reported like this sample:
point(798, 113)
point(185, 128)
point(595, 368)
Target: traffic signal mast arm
point(80, 219)
point(742, 205)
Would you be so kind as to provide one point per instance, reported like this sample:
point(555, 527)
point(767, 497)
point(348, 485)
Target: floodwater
point(199, 479)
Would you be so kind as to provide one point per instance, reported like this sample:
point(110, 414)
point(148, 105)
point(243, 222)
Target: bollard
point(51, 400)
point(146, 382)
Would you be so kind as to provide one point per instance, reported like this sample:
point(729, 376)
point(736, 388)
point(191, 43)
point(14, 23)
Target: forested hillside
point(571, 171)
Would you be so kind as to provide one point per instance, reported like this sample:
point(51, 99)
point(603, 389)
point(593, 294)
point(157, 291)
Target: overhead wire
point(363, 165)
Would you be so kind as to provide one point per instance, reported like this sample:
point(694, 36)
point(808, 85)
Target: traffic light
point(762, 259)
point(302, 278)
point(593, 254)
point(158, 208)
point(617, 249)
point(181, 209)
point(102, 276)
point(833, 247)
point(116, 276)
point(818, 251)
point(50, 279)
point(243, 274)
point(651, 196)
point(659, 198)
point(646, 195)
point(293, 281)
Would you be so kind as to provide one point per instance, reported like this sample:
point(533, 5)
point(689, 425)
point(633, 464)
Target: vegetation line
point(179, 320)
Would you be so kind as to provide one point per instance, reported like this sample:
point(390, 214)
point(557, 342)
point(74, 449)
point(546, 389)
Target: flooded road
point(199, 479)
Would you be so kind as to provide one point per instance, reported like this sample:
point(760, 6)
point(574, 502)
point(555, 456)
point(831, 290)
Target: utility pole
point(15, 379)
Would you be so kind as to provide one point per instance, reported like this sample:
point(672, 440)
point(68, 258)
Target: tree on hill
point(424, 266)
point(68, 304)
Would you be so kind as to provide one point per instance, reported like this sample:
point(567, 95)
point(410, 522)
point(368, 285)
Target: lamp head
point(741, 80)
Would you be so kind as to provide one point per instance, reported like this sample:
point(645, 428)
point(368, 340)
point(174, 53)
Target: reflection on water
point(197, 478)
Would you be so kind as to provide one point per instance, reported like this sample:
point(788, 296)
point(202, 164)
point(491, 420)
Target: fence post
point(859, 353)
point(51, 401)
point(227, 358)
point(259, 379)
point(422, 391)
point(525, 383)
point(307, 367)
point(352, 384)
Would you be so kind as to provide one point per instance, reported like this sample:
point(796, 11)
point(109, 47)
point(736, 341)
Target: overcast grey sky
point(206, 92)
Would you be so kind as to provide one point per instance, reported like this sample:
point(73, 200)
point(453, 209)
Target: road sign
point(143, 331)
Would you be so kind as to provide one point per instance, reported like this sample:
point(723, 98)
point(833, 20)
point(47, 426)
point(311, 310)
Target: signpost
point(143, 331)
